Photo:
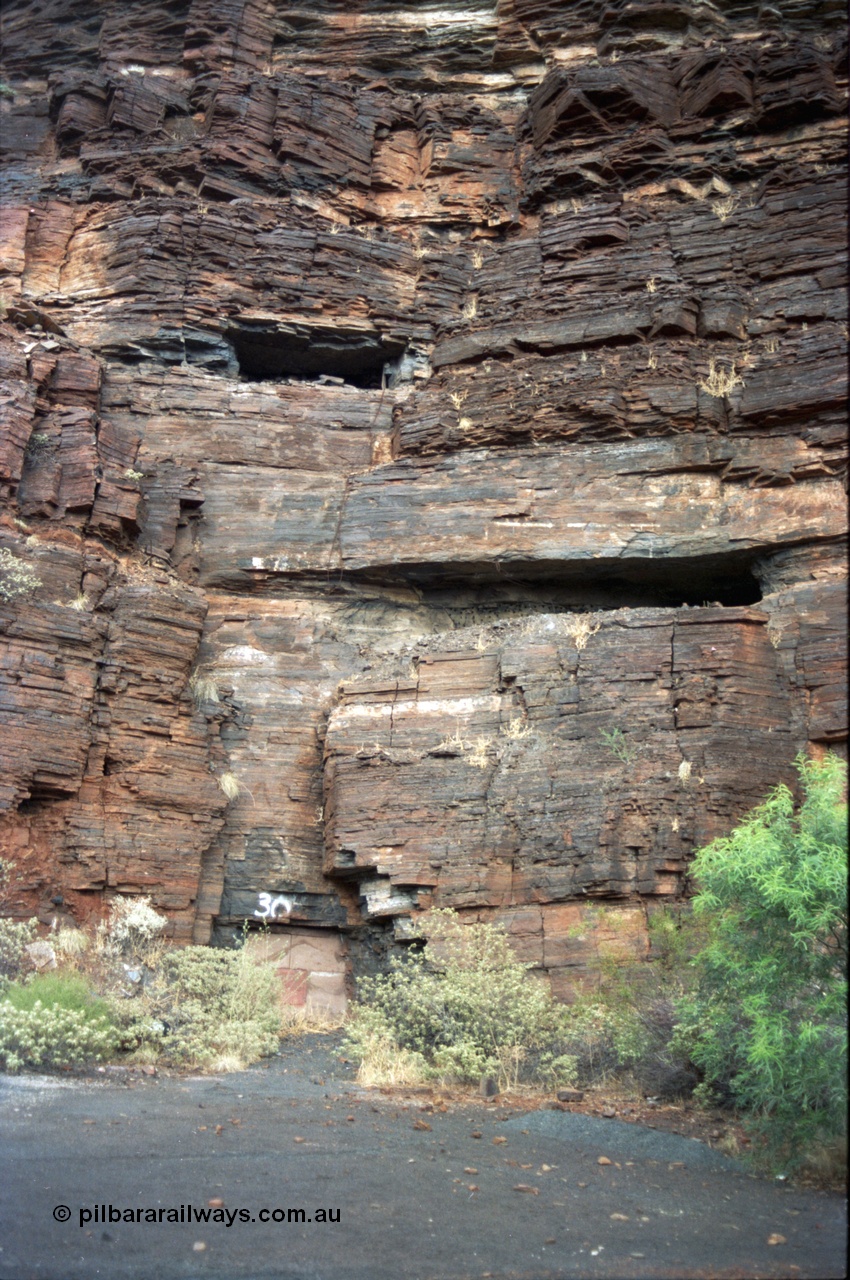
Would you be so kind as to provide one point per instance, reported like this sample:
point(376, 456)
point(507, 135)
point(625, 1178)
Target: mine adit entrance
point(729, 580)
point(273, 349)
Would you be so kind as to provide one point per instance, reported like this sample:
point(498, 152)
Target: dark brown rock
point(435, 421)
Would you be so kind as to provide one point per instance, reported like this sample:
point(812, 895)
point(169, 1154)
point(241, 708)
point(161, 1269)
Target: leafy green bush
point(767, 1022)
point(208, 1007)
point(134, 930)
point(53, 1021)
point(67, 990)
point(15, 937)
point(195, 1006)
point(17, 580)
point(605, 1035)
point(624, 1024)
point(461, 1007)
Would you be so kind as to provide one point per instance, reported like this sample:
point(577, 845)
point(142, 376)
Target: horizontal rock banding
point(429, 419)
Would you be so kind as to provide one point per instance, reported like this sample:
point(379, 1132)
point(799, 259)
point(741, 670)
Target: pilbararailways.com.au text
point(191, 1214)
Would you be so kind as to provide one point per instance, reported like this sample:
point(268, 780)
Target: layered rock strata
point(422, 458)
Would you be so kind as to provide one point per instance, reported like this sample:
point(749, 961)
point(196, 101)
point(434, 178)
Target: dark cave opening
point(267, 350)
point(723, 580)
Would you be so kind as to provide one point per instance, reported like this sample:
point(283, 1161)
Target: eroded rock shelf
point(430, 418)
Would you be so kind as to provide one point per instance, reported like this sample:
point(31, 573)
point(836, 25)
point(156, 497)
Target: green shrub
point(54, 1021)
point(624, 1024)
point(606, 1036)
point(15, 937)
point(767, 1023)
point(66, 990)
point(17, 580)
point(134, 930)
point(461, 1007)
point(215, 1007)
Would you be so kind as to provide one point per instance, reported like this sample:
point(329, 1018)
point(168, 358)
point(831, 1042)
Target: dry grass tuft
point(825, 1164)
point(70, 944)
point(228, 1062)
point(720, 381)
point(301, 1020)
point(203, 688)
point(581, 629)
point(387, 1066)
point(723, 208)
point(230, 785)
point(516, 729)
point(479, 757)
point(453, 746)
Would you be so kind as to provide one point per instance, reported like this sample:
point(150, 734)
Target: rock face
point(422, 455)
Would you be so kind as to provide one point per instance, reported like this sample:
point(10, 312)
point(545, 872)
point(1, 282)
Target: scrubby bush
point(606, 1037)
point(195, 1006)
point(623, 1025)
point(460, 1007)
point(209, 1008)
point(766, 1024)
point(134, 931)
point(15, 937)
point(17, 580)
point(54, 1021)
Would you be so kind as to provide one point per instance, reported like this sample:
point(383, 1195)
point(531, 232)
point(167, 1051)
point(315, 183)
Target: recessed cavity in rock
point(268, 349)
point(727, 580)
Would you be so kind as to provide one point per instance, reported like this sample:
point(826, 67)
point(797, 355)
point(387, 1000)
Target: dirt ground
point(719, 1129)
point(127, 1175)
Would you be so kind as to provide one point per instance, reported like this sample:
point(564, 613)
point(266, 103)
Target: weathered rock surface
point(430, 421)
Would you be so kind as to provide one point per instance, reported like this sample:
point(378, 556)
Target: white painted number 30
point(268, 907)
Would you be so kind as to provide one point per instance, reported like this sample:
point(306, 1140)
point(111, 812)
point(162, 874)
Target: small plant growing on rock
point(615, 741)
point(17, 580)
point(38, 443)
point(720, 382)
point(516, 729)
point(203, 687)
point(230, 785)
point(479, 757)
point(581, 629)
point(723, 209)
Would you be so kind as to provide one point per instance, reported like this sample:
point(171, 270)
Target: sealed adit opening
point(268, 349)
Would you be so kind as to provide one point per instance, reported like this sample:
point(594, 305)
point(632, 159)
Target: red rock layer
point(422, 452)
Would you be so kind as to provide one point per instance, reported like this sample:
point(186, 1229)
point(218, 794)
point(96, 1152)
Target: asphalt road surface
point(167, 1178)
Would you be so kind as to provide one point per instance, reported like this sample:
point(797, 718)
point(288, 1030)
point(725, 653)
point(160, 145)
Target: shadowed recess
point(270, 350)
point(598, 584)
